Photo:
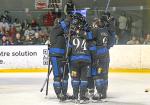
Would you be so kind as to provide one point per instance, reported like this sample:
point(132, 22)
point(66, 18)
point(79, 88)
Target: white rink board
point(121, 56)
point(145, 56)
point(130, 56)
point(15, 57)
point(125, 56)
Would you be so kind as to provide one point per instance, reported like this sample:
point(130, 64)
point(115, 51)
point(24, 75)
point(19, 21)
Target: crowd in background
point(16, 32)
point(130, 32)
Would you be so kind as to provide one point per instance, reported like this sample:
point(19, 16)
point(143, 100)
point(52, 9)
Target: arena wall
point(24, 58)
point(130, 58)
point(123, 58)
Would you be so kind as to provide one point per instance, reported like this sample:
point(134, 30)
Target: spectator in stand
point(1, 35)
point(122, 22)
point(147, 40)
point(11, 41)
point(28, 40)
point(48, 19)
point(18, 40)
point(4, 25)
point(133, 41)
point(0, 41)
point(141, 40)
point(69, 7)
point(1, 32)
point(37, 28)
point(43, 35)
point(25, 24)
point(37, 39)
point(129, 23)
point(34, 25)
point(1, 25)
point(7, 34)
point(29, 31)
point(17, 25)
point(6, 16)
point(26, 31)
point(124, 37)
point(12, 31)
point(5, 40)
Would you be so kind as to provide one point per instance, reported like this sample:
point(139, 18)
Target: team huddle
point(81, 51)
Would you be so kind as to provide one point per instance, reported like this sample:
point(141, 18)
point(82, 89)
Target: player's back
point(102, 37)
point(58, 44)
point(79, 49)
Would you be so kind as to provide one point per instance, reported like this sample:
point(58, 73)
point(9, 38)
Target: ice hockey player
point(109, 24)
point(57, 54)
point(80, 60)
point(104, 38)
point(91, 83)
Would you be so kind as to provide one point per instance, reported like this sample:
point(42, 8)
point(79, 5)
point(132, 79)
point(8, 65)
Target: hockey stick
point(47, 79)
point(66, 56)
point(107, 6)
point(49, 71)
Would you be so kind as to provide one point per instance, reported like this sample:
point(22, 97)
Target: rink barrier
point(130, 58)
point(123, 59)
point(127, 70)
point(111, 70)
point(23, 58)
point(23, 70)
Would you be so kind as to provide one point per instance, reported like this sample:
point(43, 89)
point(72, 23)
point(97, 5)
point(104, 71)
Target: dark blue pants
point(101, 74)
point(79, 77)
point(60, 72)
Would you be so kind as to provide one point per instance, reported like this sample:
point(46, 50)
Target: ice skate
point(76, 101)
point(84, 100)
point(61, 97)
point(69, 97)
point(96, 98)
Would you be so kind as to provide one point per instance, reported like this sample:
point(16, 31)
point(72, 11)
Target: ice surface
point(24, 89)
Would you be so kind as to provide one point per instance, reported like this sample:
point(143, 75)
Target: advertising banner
point(15, 57)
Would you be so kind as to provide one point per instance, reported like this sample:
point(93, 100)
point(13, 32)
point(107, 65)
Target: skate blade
point(95, 101)
point(99, 101)
point(84, 102)
point(77, 102)
point(104, 100)
point(61, 100)
point(66, 101)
